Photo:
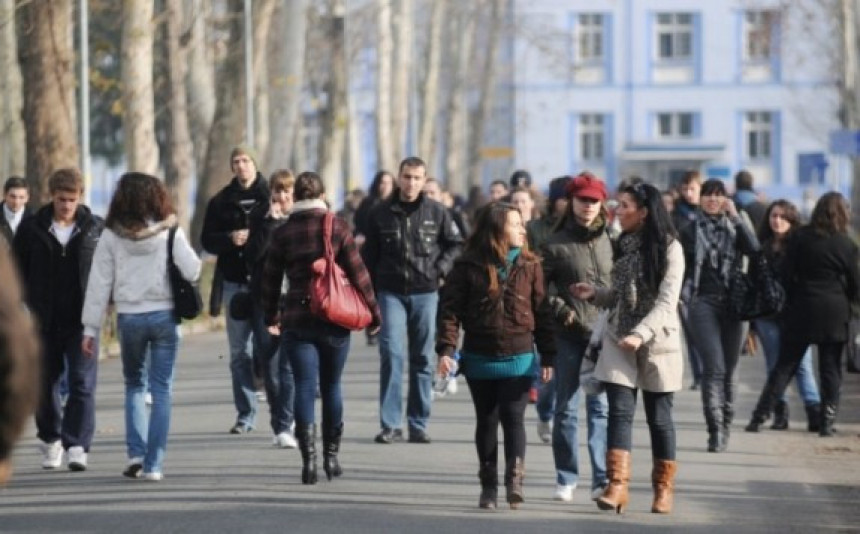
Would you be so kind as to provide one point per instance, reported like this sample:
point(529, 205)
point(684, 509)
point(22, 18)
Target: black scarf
point(633, 298)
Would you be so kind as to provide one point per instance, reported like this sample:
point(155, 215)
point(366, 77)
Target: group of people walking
point(518, 299)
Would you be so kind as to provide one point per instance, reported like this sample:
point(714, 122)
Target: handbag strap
point(170, 235)
point(328, 223)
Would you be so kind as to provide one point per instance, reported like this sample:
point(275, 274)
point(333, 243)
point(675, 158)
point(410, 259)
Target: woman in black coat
point(822, 281)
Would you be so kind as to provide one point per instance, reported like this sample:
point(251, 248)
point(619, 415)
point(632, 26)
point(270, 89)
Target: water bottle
point(448, 384)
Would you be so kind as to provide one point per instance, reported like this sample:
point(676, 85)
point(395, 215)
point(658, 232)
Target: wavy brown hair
point(488, 243)
point(138, 199)
point(790, 213)
point(831, 214)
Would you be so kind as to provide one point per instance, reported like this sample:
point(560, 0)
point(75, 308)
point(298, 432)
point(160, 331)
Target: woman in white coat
point(130, 263)
point(642, 342)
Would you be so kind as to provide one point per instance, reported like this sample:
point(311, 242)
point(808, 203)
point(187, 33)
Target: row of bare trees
point(169, 92)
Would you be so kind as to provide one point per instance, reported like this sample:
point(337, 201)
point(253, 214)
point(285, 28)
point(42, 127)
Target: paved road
point(215, 482)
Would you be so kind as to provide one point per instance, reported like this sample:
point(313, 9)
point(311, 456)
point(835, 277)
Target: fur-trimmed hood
point(145, 240)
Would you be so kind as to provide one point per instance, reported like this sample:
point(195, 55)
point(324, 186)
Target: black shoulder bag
point(187, 303)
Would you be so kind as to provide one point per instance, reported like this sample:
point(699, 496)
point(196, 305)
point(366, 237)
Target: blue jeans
point(239, 334)
point(545, 405)
point(277, 374)
point(154, 333)
point(408, 330)
point(565, 442)
point(75, 423)
point(317, 353)
point(768, 333)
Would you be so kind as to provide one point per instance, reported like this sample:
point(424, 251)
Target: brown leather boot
point(663, 481)
point(616, 495)
point(514, 483)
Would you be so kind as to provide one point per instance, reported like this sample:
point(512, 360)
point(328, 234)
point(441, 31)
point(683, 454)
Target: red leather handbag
point(332, 296)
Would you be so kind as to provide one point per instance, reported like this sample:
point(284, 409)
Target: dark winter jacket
point(576, 254)
point(262, 224)
point(409, 248)
point(230, 210)
point(6, 230)
point(821, 276)
point(510, 323)
point(55, 276)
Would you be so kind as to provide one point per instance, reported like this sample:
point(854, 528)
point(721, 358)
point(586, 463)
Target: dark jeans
point(75, 424)
point(791, 354)
point(658, 414)
point(717, 337)
point(501, 400)
point(277, 374)
point(317, 353)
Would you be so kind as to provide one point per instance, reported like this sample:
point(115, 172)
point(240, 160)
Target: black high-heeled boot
point(813, 417)
point(828, 417)
point(306, 435)
point(780, 416)
point(331, 446)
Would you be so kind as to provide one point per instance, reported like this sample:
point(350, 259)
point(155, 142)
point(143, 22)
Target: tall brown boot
point(616, 495)
point(514, 474)
point(663, 481)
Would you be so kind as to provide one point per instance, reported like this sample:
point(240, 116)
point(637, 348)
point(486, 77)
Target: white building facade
point(657, 87)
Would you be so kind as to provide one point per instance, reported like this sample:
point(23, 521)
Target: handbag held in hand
point(333, 298)
point(187, 303)
point(756, 293)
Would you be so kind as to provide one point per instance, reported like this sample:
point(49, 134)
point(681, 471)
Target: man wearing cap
point(578, 251)
point(225, 234)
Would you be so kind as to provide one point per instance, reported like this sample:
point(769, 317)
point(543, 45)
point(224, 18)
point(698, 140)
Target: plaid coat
point(294, 246)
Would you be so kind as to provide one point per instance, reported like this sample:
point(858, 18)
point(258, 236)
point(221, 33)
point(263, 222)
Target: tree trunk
point(138, 99)
point(403, 21)
point(45, 53)
point(228, 125)
point(199, 81)
point(850, 90)
point(384, 46)
point(335, 117)
point(287, 54)
point(430, 85)
point(263, 14)
point(13, 156)
point(181, 156)
point(486, 96)
point(456, 121)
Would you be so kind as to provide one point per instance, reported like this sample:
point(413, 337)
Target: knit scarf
point(503, 270)
point(715, 245)
point(632, 297)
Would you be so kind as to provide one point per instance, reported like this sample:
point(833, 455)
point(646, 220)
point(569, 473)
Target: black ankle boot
point(828, 417)
point(489, 477)
point(756, 421)
point(780, 416)
point(306, 435)
point(331, 446)
point(813, 417)
point(716, 441)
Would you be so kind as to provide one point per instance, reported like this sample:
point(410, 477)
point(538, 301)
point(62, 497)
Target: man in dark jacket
point(16, 194)
point(54, 250)
point(747, 200)
point(225, 234)
point(410, 246)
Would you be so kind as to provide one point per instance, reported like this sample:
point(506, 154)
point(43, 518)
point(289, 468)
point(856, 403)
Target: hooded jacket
point(132, 265)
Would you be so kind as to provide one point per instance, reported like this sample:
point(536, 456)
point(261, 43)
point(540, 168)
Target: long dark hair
point(831, 214)
point(377, 183)
point(488, 243)
point(138, 199)
point(789, 210)
point(657, 232)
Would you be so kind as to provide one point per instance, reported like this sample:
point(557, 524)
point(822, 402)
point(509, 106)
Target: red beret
point(586, 185)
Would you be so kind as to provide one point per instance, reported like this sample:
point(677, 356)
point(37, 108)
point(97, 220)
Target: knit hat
point(557, 187)
point(586, 185)
point(246, 150)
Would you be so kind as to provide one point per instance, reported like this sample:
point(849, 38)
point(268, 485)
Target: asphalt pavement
point(774, 481)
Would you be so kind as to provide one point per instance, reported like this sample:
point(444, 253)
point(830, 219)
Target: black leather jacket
point(409, 248)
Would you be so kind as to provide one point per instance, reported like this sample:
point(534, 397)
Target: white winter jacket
point(132, 265)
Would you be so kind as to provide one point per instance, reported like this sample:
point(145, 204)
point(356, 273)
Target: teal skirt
point(482, 367)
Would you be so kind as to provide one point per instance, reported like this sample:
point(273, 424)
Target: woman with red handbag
point(317, 348)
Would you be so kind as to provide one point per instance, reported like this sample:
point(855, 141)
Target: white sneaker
point(544, 429)
point(52, 455)
point(285, 440)
point(147, 398)
point(153, 477)
point(261, 396)
point(452, 386)
point(77, 459)
point(564, 493)
point(598, 492)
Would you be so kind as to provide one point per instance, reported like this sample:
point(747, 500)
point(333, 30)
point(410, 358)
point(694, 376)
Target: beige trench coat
point(658, 365)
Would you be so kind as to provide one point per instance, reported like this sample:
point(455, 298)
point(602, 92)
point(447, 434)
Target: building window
point(674, 36)
point(758, 132)
point(675, 125)
point(591, 136)
point(759, 34)
point(589, 38)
